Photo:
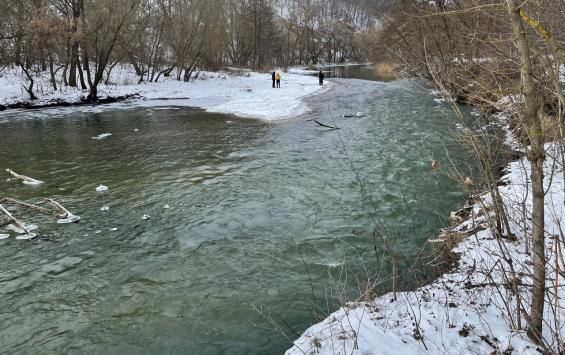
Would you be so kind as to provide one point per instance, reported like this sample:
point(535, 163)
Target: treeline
point(85, 39)
point(506, 57)
point(468, 47)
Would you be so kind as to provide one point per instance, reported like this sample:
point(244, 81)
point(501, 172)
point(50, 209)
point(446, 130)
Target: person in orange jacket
point(278, 78)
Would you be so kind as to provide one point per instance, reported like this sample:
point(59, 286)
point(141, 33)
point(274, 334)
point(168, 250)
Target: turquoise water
point(263, 217)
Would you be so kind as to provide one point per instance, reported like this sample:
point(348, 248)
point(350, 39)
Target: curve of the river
point(266, 224)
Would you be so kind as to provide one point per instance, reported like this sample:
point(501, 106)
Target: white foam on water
point(102, 136)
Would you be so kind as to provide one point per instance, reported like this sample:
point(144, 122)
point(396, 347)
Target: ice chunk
point(104, 208)
point(102, 188)
point(15, 229)
point(31, 227)
point(33, 182)
point(102, 136)
point(28, 236)
point(4, 236)
point(71, 218)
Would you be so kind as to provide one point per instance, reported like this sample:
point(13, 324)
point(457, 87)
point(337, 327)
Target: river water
point(266, 222)
point(364, 72)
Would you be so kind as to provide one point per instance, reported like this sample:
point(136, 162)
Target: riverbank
point(243, 93)
point(467, 310)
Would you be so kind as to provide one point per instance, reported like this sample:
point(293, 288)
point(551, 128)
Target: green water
point(259, 212)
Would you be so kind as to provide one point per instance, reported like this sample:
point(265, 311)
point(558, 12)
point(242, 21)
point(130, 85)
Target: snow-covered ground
point(471, 309)
point(246, 94)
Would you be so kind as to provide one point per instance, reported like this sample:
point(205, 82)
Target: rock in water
point(102, 188)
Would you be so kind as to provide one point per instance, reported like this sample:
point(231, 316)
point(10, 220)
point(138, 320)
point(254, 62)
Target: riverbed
point(265, 225)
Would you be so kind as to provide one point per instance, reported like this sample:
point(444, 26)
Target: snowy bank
point(246, 94)
point(470, 310)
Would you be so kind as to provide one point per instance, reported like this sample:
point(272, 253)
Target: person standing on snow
point(274, 79)
point(321, 76)
point(278, 79)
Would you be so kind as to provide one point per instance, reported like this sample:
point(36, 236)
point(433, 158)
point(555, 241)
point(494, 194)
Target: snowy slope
point(465, 311)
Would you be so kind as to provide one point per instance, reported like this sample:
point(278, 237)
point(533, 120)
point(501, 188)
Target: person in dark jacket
point(274, 79)
point(321, 76)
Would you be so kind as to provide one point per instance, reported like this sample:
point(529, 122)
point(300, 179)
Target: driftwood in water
point(13, 220)
point(4, 221)
point(30, 206)
point(24, 178)
point(325, 125)
point(57, 210)
point(62, 211)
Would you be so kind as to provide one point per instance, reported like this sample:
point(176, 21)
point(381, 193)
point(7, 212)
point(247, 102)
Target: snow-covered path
point(247, 94)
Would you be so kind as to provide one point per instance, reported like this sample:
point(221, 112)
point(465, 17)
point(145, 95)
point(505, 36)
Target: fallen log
point(62, 211)
point(325, 125)
point(4, 221)
point(25, 179)
point(13, 220)
point(64, 215)
point(30, 206)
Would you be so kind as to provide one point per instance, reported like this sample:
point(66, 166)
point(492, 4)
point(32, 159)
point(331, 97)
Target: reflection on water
point(259, 213)
point(364, 72)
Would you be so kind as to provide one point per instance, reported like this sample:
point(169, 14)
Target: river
point(266, 221)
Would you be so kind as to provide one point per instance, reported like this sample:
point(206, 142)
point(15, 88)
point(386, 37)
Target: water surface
point(361, 71)
point(260, 214)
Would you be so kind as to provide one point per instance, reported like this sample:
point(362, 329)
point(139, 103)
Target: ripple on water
point(259, 213)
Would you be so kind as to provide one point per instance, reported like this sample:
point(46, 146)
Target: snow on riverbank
point(464, 311)
point(246, 94)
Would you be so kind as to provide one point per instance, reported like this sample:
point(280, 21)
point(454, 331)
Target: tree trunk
point(73, 67)
point(65, 69)
point(29, 89)
point(74, 46)
point(536, 156)
point(52, 70)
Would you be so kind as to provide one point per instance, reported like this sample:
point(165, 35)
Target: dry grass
point(386, 70)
